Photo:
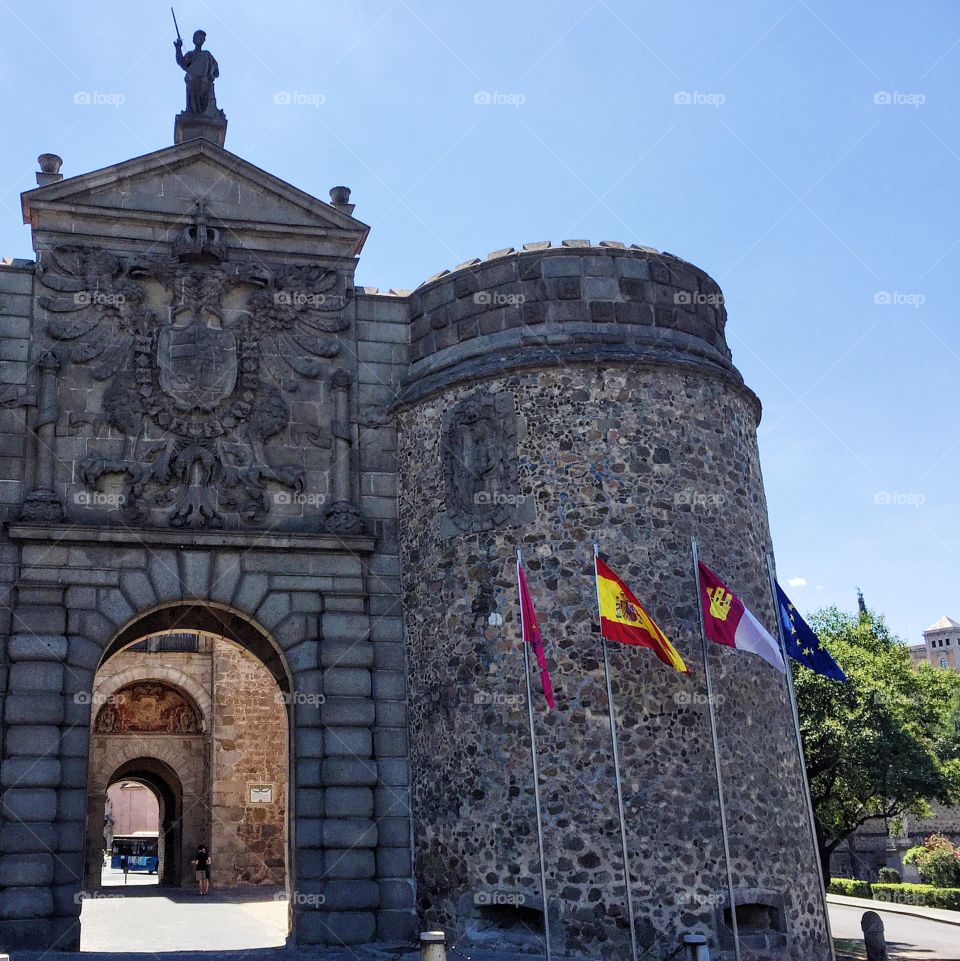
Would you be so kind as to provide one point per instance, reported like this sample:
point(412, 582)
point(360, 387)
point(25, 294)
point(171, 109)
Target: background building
point(941, 644)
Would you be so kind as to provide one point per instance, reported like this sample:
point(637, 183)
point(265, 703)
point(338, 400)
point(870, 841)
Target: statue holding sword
point(201, 70)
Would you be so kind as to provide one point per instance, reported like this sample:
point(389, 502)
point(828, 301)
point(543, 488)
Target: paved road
point(151, 919)
point(907, 937)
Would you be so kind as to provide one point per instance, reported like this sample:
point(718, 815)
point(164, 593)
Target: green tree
point(879, 745)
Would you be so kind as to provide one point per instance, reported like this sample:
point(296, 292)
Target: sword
point(172, 14)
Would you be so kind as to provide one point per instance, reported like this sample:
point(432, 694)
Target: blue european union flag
point(802, 644)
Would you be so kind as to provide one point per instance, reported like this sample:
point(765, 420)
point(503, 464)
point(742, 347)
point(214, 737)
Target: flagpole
point(616, 767)
point(716, 751)
point(536, 774)
point(803, 761)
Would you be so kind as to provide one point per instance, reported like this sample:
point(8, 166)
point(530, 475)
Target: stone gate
point(207, 426)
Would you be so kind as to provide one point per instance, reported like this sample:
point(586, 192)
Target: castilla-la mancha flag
point(624, 619)
point(727, 621)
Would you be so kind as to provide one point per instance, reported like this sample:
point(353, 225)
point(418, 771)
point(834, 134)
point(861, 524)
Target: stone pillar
point(335, 892)
point(342, 515)
point(93, 848)
point(43, 808)
point(42, 503)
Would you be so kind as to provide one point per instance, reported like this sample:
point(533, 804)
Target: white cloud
point(797, 581)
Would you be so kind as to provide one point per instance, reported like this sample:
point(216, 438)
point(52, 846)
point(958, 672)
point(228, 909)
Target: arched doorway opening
point(163, 786)
point(191, 702)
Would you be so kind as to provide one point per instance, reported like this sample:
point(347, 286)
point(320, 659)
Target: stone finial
point(340, 198)
point(49, 169)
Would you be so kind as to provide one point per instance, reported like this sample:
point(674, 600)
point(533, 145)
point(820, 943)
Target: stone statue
point(201, 70)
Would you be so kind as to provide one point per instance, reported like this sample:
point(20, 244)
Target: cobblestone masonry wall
point(640, 458)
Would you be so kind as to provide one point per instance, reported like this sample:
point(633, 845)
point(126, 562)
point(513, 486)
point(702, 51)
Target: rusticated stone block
point(33, 708)
point(346, 682)
point(18, 870)
point(33, 740)
point(346, 653)
point(390, 743)
point(348, 742)
point(37, 647)
point(20, 903)
point(340, 626)
point(348, 802)
point(30, 772)
point(39, 676)
point(348, 711)
point(393, 863)
point(311, 802)
point(389, 685)
point(350, 863)
point(349, 772)
point(334, 927)
point(349, 833)
point(29, 804)
point(561, 266)
point(350, 895)
point(17, 838)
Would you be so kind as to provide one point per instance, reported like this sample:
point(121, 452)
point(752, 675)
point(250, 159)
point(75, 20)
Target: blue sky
point(806, 154)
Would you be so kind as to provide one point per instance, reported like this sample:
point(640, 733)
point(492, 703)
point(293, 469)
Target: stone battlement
point(573, 303)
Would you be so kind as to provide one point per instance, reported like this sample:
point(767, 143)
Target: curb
point(940, 915)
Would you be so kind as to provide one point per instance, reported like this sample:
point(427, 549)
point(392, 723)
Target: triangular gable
point(164, 185)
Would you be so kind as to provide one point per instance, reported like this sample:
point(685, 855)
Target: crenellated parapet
point(578, 302)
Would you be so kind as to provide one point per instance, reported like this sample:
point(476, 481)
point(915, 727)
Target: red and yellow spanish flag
point(624, 619)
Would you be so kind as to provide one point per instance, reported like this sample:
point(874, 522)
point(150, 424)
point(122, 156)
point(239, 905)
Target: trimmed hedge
point(849, 887)
point(923, 894)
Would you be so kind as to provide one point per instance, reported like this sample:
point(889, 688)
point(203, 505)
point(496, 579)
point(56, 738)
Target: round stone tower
point(559, 396)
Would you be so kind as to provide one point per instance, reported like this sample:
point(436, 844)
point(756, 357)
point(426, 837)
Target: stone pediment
point(151, 198)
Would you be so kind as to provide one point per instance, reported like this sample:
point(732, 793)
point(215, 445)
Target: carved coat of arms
point(198, 357)
point(480, 468)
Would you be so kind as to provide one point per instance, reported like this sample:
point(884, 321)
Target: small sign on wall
point(260, 793)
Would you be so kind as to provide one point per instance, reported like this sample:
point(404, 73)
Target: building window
point(943, 662)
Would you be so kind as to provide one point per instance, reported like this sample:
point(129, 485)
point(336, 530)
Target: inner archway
point(161, 783)
point(199, 719)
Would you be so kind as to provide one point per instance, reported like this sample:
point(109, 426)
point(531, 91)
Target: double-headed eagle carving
point(198, 357)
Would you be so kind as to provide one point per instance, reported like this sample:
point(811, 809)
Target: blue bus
point(140, 850)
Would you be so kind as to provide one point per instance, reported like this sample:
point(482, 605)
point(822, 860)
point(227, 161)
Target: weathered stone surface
point(346, 682)
point(349, 833)
point(349, 772)
point(28, 869)
point(20, 903)
point(37, 647)
point(348, 711)
point(33, 708)
point(16, 838)
point(349, 895)
point(348, 742)
point(33, 740)
point(30, 772)
point(36, 676)
point(29, 804)
point(350, 863)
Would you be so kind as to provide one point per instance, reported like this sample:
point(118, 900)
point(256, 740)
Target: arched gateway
point(214, 430)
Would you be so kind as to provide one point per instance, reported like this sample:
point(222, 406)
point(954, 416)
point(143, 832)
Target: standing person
point(202, 862)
